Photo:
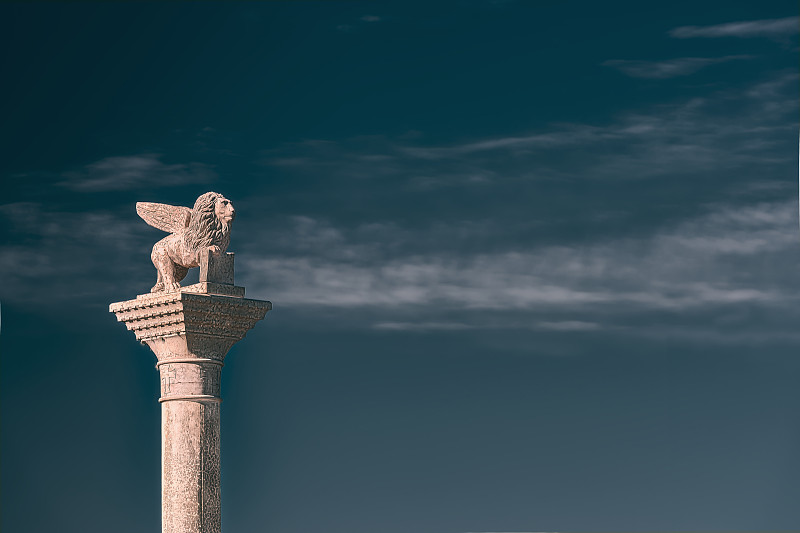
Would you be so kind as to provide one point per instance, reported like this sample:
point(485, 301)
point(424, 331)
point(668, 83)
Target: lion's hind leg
point(164, 267)
point(158, 261)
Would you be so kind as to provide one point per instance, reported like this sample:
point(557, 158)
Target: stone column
point(190, 331)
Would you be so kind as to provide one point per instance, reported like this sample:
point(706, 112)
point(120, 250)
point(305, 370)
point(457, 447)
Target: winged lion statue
point(192, 232)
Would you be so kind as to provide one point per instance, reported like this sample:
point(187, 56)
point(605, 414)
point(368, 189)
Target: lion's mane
point(205, 229)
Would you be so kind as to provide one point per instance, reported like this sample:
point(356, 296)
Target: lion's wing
point(170, 218)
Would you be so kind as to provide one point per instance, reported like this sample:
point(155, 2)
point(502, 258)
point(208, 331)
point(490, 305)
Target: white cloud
point(670, 68)
point(133, 172)
point(361, 21)
point(67, 255)
point(421, 326)
point(748, 28)
point(467, 268)
point(455, 270)
point(569, 325)
point(690, 136)
point(702, 262)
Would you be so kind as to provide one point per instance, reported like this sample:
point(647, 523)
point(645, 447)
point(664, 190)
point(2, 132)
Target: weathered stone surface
point(190, 466)
point(206, 287)
point(170, 313)
point(190, 331)
point(216, 268)
point(193, 233)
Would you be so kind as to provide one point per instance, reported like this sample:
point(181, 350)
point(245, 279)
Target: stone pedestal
point(190, 331)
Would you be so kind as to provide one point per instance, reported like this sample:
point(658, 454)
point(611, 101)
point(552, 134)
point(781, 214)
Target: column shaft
point(190, 467)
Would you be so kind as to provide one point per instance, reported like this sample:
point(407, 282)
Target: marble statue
point(193, 234)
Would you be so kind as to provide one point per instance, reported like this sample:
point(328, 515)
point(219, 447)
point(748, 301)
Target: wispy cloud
point(479, 253)
point(133, 172)
point(691, 125)
point(670, 68)
point(748, 28)
point(486, 260)
point(726, 130)
point(361, 21)
point(569, 325)
point(69, 255)
point(728, 256)
point(421, 326)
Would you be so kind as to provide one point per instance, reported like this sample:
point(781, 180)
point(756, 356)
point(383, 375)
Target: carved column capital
point(205, 309)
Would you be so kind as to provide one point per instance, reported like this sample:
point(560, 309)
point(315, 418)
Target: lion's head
point(210, 223)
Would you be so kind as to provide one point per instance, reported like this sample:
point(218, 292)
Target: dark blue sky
point(534, 265)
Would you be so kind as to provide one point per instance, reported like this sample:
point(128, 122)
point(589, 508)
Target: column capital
point(206, 309)
point(190, 331)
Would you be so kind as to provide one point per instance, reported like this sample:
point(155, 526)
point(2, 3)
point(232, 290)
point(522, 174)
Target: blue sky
point(533, 265)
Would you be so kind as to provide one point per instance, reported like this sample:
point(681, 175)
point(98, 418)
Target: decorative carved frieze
point(173, 313)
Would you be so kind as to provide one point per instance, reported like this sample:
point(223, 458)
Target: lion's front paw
point(174, 286)
point(214, 249)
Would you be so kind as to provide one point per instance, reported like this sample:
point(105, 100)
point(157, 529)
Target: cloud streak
point(134, 172)
point(671, 68)
point(691, 127)
point(677, 212)
point(728, 130)
point(749, 28)
point(421, 326)
point(728, 256)
point(72, 256)
point(361, 21)
point(460, 236)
